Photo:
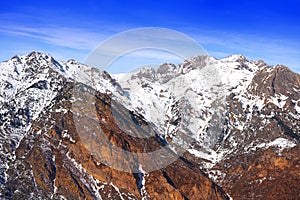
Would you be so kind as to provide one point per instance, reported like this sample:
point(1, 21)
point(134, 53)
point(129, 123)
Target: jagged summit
point(235, 58)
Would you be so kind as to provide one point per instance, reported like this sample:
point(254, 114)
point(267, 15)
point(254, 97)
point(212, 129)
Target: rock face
point(54, 163)
point(238, 122)
point(48, 159)
point(268, 149)
point(250, 146)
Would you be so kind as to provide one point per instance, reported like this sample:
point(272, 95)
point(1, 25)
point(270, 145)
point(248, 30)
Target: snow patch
point(281, 143)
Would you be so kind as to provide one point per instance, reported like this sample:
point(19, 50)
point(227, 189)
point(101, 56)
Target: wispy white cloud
point(59, 36)
point(217, 43)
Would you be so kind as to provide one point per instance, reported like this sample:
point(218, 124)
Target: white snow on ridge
point(185, 94)
point(297, 108)
point(281, 143)
point(197, 86)
point(212, 156)
point(279, 100)
point(192, 92)
point(29, 83)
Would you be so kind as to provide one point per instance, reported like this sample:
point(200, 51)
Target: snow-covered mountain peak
point(30, 82)
point(194, 88)
point(34, 62)
point(230, 115)
point(234, 58)
point(171, 97)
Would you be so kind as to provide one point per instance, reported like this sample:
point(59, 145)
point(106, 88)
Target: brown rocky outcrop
point(53, 162)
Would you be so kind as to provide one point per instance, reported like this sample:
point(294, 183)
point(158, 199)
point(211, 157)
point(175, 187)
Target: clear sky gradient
point(267, 30)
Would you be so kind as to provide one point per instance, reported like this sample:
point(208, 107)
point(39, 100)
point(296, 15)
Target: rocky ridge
point(237, 120)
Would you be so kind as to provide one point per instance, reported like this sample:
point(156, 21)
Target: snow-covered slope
point(30, 82)
point(38, 140)
point(28, 85)
point(217, 111)
point(216, 104)
point(189, 98)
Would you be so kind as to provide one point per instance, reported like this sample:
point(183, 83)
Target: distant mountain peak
point(235, 58)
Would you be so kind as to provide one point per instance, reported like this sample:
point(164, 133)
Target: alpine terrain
point(70, 131)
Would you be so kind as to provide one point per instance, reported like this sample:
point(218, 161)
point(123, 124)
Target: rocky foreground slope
point(237, 121)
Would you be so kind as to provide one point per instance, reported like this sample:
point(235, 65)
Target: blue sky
point(267, 30)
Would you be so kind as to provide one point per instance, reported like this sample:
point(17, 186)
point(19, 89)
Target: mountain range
point(204, 129)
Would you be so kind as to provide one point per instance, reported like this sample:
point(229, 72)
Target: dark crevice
point(77, 184)
point(138, 179)
point(53, 170)
point(192, 166)
point(219, 189)
point(286, 129)
point(273, 83)
point(169, 180)
point(8, 193)
point(57, 130)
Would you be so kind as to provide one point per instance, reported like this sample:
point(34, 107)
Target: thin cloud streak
point(64, 37)
point(219, 44)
